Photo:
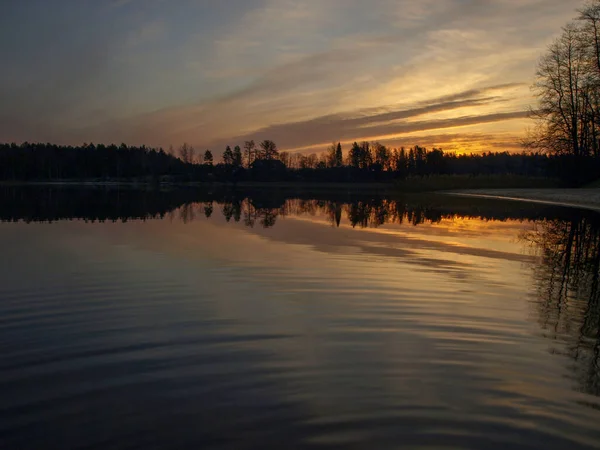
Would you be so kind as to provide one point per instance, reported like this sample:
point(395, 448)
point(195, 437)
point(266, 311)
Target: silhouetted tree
point(268, 150)
point(411, 162)
point(366, 156)
point(330, 155)
point(339, 156)
point(567, 86)
point(354, 156)
point(186, 153)
point(237, 156)
point(383, 156)
point(560, 77)
point(250, 151)
point(208, 158)
point(285, 158)
point(434, 161)
point(228, 156)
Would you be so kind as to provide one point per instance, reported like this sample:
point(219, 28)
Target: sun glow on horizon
point(302, 74)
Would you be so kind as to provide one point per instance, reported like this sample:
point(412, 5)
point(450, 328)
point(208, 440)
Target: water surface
point(134, 319)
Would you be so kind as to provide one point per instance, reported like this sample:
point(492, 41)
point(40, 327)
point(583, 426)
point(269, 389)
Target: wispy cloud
point(302, 72)
point(390, 126)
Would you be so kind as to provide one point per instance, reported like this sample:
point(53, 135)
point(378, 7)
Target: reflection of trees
point(568, 293)
point(186, 213)
point(251, 207)
point(374, 214)
point(368, 213)
point(266, 217)
point(363, 214)
point(333, 211)
point(567, 280)
point(208, 210)
point(232, 210)
point(249, 216)
point(48, 204)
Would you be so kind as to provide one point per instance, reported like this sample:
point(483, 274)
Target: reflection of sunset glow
point(329, 322)
point(454, 233)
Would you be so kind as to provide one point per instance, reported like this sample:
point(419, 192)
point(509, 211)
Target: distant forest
point(362, 162)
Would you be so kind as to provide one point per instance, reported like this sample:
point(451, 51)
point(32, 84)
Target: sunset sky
point(450, 73)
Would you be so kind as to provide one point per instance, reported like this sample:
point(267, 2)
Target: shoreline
point(440, 183)
point(585, 198)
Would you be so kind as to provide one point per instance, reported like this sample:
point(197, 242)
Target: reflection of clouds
point(297, 332)
point(130, 337)
point(435, 245)
point(411, 247)
point(408, 335)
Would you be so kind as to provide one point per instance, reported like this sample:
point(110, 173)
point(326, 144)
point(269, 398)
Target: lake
point(268, 319)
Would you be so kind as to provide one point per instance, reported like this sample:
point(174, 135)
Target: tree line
point(365, 161)
point(38, 161)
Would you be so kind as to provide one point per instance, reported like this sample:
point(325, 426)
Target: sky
point(455, 74)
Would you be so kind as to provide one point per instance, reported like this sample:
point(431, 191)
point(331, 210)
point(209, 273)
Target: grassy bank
point(416, 184)
point(593, 185)
point(454, 182)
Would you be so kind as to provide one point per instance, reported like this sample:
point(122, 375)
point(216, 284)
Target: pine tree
point(228, 156)
point(208, 158)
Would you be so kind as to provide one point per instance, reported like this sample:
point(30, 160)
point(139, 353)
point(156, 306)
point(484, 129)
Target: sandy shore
point(578, 198)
